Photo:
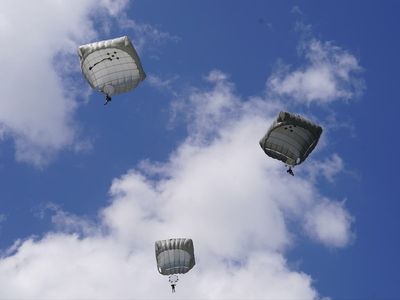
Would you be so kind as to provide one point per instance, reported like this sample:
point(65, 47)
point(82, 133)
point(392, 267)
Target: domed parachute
point(174, 256)
point(111, 66)
point(290, 139)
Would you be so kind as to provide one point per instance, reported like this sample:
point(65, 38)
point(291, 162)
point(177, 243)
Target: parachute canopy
point(291, 138)
point(174, 256)
point(111, 66)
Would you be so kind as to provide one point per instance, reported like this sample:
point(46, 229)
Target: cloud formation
point(217, 188)
point(331, 74)
point(38, 99)
point(146, 35)
point(329, 223)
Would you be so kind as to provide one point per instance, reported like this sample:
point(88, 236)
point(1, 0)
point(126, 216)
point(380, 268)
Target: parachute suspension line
point(108, 99)
point(107, 58)
point(173, 279)
point(289, 170)
point(107, 90)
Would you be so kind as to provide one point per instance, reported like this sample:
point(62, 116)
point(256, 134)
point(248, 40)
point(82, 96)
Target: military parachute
point(290, 139)
point(174, 256)
point(111, 66)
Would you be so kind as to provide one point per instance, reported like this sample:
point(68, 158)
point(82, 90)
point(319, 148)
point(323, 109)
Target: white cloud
point(218, 188)
point(329, 223)
point(296, 10)
point(329, 167)
point(207, 111)
point(145, 35)
point(65, 267)
point(3, 218)
point(38, 99)
point(331, 74)
point(162, 82)
point(69, 223)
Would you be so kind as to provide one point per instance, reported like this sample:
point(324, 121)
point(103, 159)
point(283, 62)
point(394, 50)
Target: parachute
point(174, 256)
point(112, 66)
point(290, 139)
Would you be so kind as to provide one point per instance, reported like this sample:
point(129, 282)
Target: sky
point(87, 189)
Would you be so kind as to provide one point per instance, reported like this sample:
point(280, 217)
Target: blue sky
point(96, 185)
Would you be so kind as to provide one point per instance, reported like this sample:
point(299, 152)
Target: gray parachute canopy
point(174, 256)
point(111, 66)
point(291, 138)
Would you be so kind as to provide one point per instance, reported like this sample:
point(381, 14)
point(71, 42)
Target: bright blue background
point(243, 39)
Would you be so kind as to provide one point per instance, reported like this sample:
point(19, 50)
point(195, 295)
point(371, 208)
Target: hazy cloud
point(162, 82)
point(296, 10)
point(146, 35)
point(330, 167)
point(330, 74)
